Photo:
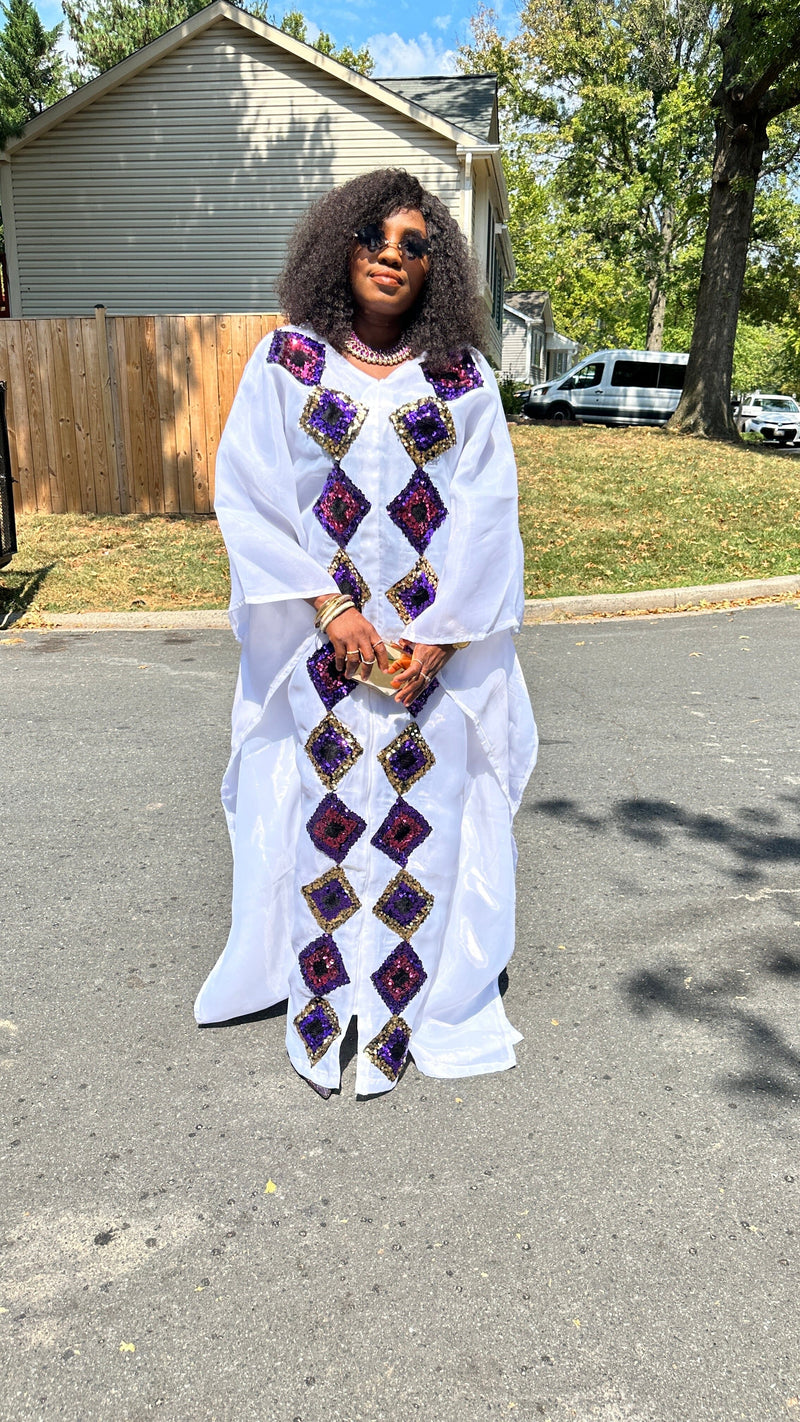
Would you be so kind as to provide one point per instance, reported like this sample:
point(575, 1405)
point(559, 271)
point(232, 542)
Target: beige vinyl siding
point(177, 191)
point(514, 348)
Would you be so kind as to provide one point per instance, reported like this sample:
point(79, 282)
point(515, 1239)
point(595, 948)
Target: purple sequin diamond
point(406, 759)
point(417, 704)
point(404, 905)
point(425, 429)
point(457, 379)
point(318, 1026)
point(403, 831)
point(348, 580)
point(322, 966)
point(302, 357)
point(332, 750)
point(399, 978)
point(389, 1049)
point(332, 419)
point(331, 685)
point(341, 507)
point(331, 898)
point(418, 510)
point(413, 593)
point(334, 829)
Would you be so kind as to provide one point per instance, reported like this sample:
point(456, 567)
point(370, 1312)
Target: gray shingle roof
point(466, 100)
point(530, 303)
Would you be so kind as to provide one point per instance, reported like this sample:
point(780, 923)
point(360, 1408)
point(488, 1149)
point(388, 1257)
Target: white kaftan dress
point(373, 854)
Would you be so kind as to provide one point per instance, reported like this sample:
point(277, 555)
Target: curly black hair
point(314, 287)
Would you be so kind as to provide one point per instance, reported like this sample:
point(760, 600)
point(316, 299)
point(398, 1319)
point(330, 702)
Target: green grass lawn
point(600, 510)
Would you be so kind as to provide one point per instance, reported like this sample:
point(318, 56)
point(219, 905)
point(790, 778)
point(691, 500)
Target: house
point(533, 351)
point(171, 183)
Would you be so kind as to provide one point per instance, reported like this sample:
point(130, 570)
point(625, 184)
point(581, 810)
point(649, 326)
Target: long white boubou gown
point(373, 854)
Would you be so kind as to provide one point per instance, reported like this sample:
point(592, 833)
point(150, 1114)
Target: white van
point(613, 388)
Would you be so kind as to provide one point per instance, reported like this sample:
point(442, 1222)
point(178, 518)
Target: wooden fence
point(121, 414)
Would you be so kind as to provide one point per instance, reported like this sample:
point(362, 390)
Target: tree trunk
point(655, 319)
point(657, 283)
point(704, 407)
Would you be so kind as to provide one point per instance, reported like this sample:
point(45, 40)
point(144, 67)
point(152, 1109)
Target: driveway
point(610, 1231)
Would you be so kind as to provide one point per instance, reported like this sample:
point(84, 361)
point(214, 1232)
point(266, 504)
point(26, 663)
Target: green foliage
point(104, 32)
point(31, 69)
point(607, 118)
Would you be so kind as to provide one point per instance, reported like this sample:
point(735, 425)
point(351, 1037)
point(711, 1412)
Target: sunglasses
point(412, 245)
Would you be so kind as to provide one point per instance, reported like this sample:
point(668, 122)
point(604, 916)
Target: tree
point(31, 69)
point(609, 96)
point(759, 82)
point(105, 32)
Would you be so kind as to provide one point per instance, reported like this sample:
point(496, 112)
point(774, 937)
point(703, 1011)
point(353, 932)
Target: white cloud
point(442, 22)
point(396, 58)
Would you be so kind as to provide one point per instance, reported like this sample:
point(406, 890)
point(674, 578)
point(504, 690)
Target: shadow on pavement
point(752, 838)
point(772, 1065)
point(18, 591)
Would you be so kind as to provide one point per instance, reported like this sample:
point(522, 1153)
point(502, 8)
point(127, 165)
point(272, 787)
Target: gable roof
point(202, 20)
point(470, 100)
point(529, 303)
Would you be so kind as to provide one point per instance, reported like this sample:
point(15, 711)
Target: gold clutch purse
point(399, 659)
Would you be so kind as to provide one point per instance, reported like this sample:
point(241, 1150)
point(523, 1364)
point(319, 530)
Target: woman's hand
point(356, 642)
point(425, 663)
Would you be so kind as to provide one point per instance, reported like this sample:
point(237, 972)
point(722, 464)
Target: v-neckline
point(374, 380)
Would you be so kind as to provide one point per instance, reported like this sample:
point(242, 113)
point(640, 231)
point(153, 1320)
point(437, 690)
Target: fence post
point(112, 418)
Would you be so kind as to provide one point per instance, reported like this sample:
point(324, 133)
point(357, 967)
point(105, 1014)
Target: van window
point(641, 373)
point(587, 376)
point(671, 377)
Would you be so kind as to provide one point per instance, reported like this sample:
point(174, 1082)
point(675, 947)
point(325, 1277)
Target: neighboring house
point(533, 351)
point(171, 183)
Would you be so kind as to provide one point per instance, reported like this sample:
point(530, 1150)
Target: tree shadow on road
point(752, 838)
point(772, 1065)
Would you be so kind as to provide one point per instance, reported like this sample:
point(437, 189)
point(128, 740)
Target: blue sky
point(408, 38)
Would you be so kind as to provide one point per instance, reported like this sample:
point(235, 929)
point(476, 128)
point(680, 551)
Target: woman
point(366, 491)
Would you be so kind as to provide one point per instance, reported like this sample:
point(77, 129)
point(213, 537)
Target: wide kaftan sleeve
point(480, 597)
point(480, 583)
point(272, 573)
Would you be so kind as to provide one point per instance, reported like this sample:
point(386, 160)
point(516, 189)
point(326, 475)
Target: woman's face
point(386, 282)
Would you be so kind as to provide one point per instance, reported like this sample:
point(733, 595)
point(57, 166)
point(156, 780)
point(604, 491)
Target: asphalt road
point(611, 1231)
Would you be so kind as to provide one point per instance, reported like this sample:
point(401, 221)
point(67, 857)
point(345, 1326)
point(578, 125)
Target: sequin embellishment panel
point(302, 357)
point(460, 377)
point(322, 966)
point(413, 593)
point(348, 580)
point(331, 685)
point(389, 1049)
point(404, 905)
point(341, 507)
point(425, 429)
point(418, 703)
point(332, 899)
point(406, 759)
point(333, 420)
point(332, 750)
point(399, 977)
point(334, 829)
point(403, 831)
point(318, 1026)
point(418, 510)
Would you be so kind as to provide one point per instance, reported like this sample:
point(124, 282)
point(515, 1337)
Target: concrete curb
point(658, 600)
point(556, 609)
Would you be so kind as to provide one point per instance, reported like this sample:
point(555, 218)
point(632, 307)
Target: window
point(672, 377)
point(641, 373)
point(584, 378)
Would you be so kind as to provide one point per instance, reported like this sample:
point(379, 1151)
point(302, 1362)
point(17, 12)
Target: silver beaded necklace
point(394, 355)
